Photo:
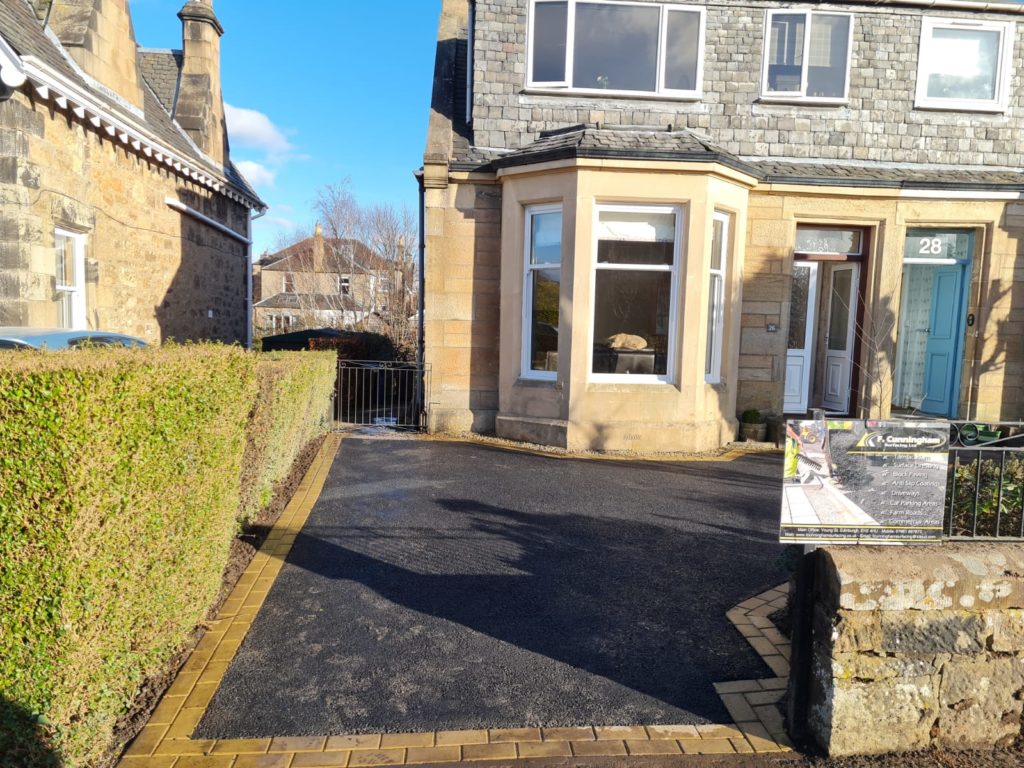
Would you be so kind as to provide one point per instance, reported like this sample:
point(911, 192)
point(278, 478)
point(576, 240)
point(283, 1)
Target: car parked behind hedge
point(14, 337)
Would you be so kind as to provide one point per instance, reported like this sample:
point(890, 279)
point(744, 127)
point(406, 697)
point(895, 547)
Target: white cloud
point(257, 174)
point(254, 130)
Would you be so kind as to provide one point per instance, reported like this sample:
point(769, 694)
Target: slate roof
point(585, 141)
point(298, 257)
point(599, 142)
point(161, 69)
point(23, 30)
point(335, 302)
point(887, 175)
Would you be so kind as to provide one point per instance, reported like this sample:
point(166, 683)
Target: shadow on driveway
point(449, 586)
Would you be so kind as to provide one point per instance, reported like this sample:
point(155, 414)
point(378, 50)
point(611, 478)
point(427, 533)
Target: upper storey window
point(964, 65)
point(807, 56)
point(616, 48)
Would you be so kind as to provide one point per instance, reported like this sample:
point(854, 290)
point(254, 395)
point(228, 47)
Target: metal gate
point(381, 393)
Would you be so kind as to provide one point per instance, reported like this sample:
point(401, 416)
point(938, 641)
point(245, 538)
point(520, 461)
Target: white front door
point(803, 299)
point(840, 328)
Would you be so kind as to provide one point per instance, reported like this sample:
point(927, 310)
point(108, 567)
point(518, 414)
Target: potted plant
point(753, 426)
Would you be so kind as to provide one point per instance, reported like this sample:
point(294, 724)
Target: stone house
point(642, 218)
point(325, 282)
point(120, 208)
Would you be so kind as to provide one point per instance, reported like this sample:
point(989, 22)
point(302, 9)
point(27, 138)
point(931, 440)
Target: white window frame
point(1008, 37)
point(75, 290)
point(565, 86)
point(716, 332)
point(288, 283)
point(801, 95)
point(673, 308)
point(344, 285)
point(526, 364)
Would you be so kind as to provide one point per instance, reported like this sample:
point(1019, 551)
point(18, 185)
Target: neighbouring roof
point(594, 141)
point(319, 302)
point(23, 30)
point(341, 255)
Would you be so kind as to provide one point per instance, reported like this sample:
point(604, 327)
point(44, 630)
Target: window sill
point(931, 106)
point(802, 101)
point(545, 382)
point(632, 384)
point(622, 95)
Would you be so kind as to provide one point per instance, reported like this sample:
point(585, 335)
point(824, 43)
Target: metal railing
point(985, 486)
point(381, 393)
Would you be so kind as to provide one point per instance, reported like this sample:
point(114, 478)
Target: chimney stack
point(318, 249)
point(200, 109)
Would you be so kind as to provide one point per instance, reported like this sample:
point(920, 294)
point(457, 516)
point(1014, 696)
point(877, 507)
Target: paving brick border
point(165, 742)
point(754, 704)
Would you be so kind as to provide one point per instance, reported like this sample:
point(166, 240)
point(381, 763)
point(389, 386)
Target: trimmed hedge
point(292, 407)
point(121, 487)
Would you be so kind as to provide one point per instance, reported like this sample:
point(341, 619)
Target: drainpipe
point(248, 277)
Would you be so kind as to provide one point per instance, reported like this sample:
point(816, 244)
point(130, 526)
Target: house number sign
point(931, 245)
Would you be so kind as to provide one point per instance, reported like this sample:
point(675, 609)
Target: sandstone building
point(120, 208)
point(642, 218)
point(326, 282)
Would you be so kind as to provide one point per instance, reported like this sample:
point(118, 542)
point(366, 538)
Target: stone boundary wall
point(917, 647)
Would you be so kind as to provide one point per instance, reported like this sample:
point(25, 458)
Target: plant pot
point(989, 435)
point(753, 432)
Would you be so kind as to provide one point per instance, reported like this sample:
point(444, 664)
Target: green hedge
point(293, 406)
point(121, 487)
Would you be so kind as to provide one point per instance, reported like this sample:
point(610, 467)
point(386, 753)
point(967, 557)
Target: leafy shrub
point(990, 483)
point(120, 489)
point(292, 407)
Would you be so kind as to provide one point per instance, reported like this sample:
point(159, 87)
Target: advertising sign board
point(870, 482)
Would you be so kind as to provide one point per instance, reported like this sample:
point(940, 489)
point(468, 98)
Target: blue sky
point(333, 89)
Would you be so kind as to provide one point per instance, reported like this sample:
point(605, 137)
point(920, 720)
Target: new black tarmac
point(450, 586)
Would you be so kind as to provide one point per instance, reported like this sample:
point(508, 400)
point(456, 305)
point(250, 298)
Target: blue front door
point(943, 351)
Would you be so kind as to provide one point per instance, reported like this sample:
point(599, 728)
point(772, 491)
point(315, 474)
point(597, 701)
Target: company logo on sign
point(911, 442)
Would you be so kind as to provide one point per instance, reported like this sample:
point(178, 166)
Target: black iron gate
point(381, 393)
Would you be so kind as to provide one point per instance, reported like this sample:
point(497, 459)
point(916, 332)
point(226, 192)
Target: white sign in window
point(807, 55)
point(600, 46)
point(69, 252)
point(964, 65)
point(635, 302)
point(542, 281)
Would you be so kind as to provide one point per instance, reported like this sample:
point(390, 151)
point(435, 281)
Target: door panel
point(841, 325)
point(943, 340)
point(800, 352)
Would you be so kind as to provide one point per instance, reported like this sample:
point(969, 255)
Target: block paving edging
point(165, 741)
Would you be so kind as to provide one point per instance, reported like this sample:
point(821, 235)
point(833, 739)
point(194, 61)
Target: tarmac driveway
point(442, 585)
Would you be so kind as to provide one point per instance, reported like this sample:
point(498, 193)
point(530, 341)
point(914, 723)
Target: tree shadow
point(24, 742)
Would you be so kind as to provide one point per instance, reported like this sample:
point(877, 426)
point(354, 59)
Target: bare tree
point(356, 272)
point(391, 233)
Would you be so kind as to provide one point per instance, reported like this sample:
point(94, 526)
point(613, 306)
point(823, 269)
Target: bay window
point(807, 55)
point(607, 46)
point(635, 278)
point(964, 64)
point(541, 291)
